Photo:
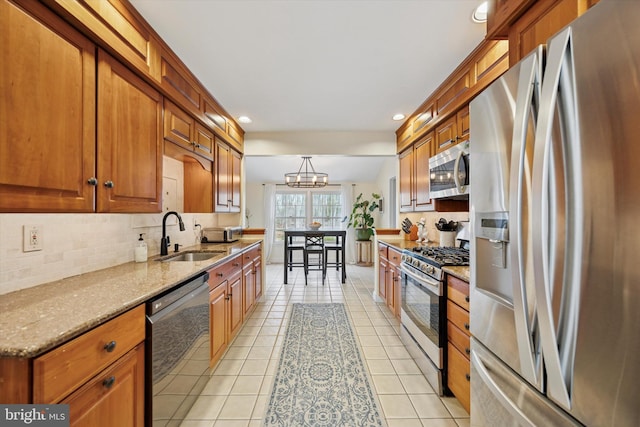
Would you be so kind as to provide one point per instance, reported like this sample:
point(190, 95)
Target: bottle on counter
point(140, 251)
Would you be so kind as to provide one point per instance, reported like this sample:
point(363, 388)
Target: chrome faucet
point(164, 243)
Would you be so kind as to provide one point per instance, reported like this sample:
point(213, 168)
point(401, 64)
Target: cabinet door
point(129, 140)
point(178, 126)
point(115, 397)
point(222, 176)
point(203, 139)
point(406, 180)
point(458, 376)
point(234, 308)
point(392, 280)
point(383, 267)
point(248, 288)
point(446, 134)
point(541, 21)
point(234, 185)
point(257, 271)
point(47, 112)
point(218, 322)
point(462, 123)
point(422, 152)
point(501, 13)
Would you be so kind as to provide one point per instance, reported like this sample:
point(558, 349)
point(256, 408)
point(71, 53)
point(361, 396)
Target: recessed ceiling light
point(244, 119)
point(398, 117)
point(480, 13)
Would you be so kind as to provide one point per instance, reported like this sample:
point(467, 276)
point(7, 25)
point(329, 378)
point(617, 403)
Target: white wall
point(334, 143)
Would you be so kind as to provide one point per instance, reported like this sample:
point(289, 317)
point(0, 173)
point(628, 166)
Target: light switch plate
point(32, 238)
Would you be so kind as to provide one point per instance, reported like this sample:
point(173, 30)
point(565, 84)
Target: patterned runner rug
point(321, 379)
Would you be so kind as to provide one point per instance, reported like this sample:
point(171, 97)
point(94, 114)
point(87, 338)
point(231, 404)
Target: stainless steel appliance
point(221, 234)
point(177, 350)
point(449, 173)
point(555, 294)
point(423, 308)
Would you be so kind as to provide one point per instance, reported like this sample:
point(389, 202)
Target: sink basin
point(193, 256)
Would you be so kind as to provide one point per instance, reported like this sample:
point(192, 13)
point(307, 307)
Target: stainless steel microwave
point(449, 173)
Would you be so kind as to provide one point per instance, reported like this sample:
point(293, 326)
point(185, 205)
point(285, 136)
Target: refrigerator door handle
point(557, 253)
point(504, 400)
point(525, 107)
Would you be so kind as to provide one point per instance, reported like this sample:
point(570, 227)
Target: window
point(297, 209)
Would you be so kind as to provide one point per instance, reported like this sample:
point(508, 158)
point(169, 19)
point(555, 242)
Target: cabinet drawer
point(222, 272)
point(459, 339)
point(383, 250)
point(458, 291)
point(59, 372)
point(458, 376)
point(394, 257)
point(458, 317)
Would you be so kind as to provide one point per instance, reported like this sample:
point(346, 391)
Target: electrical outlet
point(32, 238)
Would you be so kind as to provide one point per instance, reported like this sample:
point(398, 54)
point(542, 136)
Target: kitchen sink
point(192, 256)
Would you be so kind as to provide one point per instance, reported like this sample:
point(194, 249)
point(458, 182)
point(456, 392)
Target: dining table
point(290, 234)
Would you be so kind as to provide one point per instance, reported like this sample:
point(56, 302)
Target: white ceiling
point(317, 65)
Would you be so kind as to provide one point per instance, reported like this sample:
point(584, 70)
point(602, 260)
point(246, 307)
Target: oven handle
point(433, 286)
point(456, 178)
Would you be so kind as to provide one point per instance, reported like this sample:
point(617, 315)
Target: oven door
point(449, 173)
point(423, 314)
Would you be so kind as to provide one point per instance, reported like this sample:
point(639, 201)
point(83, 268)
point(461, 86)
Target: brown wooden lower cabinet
point(389, 277)
point(112, 398)
point(458, 337)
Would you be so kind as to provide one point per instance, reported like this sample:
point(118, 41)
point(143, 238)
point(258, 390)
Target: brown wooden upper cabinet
point(183, 130)
point(414, 176)
point(445, 110)
point(540, 22)
point(50, 159)
point(129, 140)
point(227, 178)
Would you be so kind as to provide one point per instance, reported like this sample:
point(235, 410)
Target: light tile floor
point(240, 385)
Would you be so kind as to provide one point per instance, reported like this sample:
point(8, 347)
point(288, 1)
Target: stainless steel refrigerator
point(555, 215)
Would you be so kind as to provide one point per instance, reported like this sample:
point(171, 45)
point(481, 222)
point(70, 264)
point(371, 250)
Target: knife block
point(413, 233)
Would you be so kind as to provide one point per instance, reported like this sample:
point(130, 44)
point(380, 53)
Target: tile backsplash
point(79, 243)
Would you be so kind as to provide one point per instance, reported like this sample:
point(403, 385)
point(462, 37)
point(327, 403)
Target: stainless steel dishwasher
point(177, 351)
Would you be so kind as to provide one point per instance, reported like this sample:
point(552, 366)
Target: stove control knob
point(430, 269)
point(415, 263)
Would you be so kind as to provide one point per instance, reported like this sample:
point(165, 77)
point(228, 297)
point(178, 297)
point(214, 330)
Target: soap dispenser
point(140, 252)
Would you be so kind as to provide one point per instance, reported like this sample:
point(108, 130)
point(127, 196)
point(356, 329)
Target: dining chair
point(335, 247)
point(314, 251)
point(294, 246)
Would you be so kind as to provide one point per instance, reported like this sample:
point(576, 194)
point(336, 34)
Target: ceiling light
point(398, 117)
point(306, 178)
point(480, 13)
point(244, 119)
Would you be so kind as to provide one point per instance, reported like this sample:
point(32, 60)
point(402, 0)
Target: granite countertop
point(461, 272)
point(37, 319)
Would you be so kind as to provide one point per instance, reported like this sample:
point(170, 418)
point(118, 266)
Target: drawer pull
point(468, 377)
point(235, 264)
point(109, 347)
point(108, 382)
point(467, 350)
point(466, 298)
point(219, 274)
point(466, 326)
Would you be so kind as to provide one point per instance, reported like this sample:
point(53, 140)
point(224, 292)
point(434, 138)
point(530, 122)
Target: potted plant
point(361, 218)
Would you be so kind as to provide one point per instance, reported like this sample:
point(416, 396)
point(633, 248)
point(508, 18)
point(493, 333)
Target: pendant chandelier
point(306, 177)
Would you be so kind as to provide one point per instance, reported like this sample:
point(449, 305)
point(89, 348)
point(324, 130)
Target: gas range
point(429, 260)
